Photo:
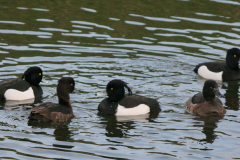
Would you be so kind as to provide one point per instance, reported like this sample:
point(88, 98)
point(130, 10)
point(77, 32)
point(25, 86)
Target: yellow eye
point(71, 84)
point(111, 88)
point(235, 55)
point(210, 87)
point(40, 74)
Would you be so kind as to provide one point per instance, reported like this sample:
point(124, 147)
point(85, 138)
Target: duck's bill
point(75, 91)
point(44, 80)
point(101, 94)
point(218, 94)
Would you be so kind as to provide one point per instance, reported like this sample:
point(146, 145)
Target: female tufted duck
point(61, 112)
point(205, 102)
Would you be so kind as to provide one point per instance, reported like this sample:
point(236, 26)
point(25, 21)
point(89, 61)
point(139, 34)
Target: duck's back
point(51, 112)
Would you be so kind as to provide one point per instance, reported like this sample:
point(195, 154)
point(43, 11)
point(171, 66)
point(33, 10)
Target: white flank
point(13, 94)
point(205, 73)
point(140, 109)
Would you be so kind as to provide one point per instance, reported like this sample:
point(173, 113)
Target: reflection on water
point(210, 124)
point(119, 126)
point(231, 95)
point(152, 45)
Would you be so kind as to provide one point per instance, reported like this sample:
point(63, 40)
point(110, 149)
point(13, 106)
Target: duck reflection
point(11, 105)
point(61, 132)
point(231, 95)
point(119, 126)
point(210, 124)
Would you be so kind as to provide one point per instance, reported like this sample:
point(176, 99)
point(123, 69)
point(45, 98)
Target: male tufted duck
point(119, 103)
point(205, 102)
point(19, 89)
point(223, 71)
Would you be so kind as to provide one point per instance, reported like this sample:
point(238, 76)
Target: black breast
point(107, 106)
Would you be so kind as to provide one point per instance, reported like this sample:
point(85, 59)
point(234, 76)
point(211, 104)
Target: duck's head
point(115, 90)
point(33, 75)
point(210, 90)
point(232, 58)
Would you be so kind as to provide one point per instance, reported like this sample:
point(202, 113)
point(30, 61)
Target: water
point(152, 45)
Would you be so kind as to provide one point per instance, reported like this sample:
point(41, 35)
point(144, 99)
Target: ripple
point(194, 45)
point(128, 40)
point(207, 21)
point(205, 14)
point(44, 20)
point(227, 2)
point(83, 27)
point(22, 8)
point(40, 9)
point(89, 10)
point(180, 35)
point(93, 24)
point(114, 19)
point(135, 23)
point(90, 35)
point(12, 22)
point(24, 32)
point(155, 18)
point(54, 29)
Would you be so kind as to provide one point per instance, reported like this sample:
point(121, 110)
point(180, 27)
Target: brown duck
point(206, 103)
point(61, 112)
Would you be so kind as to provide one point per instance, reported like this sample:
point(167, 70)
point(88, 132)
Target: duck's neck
point(209, 98)
point(65, 100)
point(233, 66)
point(208, 95)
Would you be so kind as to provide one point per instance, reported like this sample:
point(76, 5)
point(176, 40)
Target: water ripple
point(207, 21)
point(135, 23)
point(93, 24)
point(155, 18)
point(12, 22)
point(24, 32)
point(89, 10)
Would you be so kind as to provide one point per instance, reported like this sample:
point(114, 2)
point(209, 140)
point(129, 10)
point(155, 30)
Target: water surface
point(152, 45)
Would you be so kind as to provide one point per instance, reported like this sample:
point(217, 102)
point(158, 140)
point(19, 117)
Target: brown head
point(66, 85)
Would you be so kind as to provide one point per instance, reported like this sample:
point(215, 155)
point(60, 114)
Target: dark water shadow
point(119, 126)
point(210, 124)
point(231, 95)
point(61, 132)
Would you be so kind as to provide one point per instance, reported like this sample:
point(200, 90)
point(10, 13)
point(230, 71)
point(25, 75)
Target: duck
point(206, 103)
point(120, 104)
point(27, 87)
point(56, 112)
point(222, 71)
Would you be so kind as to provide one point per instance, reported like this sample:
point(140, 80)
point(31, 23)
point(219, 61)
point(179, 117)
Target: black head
point(115, 90)
point(33, 75)
point(66, 85)
point(210, 90)
point(232, 58)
